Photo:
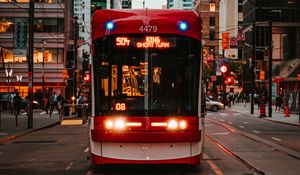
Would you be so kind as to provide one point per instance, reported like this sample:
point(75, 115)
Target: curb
point(27, 132)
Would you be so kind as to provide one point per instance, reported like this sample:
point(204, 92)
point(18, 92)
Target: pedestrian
point(17, 103)
point(11, 102)
point(52, 102)
point(278, 103)
point(79, 102)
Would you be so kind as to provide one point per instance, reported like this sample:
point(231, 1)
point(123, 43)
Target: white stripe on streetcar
point(86, 149)
point(241, 126)
point(277, 139)
point(69, 166)
point(257, 132)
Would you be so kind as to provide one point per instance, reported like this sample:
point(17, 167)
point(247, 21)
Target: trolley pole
point(270, 68)
point(30, 65)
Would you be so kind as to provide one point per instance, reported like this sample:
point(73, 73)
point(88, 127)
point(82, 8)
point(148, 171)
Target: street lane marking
point(246, 122)
point(241, 126)
point(223, 114)
point(257, 132)
point(69, 166)
point(1, 153)
point(237, 114)
point(229, 123)
point(220, 133)
point(86, 149)
point(213, 166)
point(277, 139)
point(221, 120)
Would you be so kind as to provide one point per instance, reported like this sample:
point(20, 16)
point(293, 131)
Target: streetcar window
point(149, 81)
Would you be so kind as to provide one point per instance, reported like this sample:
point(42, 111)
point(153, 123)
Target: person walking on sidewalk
point(52, 102)
point(17, 103)
point(278, 103)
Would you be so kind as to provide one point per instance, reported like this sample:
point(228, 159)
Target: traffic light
point(223, 69)
point(87, 77)
point(229, 80)
point(65, 74)
point(225, 40)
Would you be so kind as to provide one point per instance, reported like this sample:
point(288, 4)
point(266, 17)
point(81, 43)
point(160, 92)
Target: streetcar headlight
point(182, 124)
point(183, 26)
point(109, 124)
point(172, 124)
point(119, 124)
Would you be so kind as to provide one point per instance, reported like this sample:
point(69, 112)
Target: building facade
point(52, 30)
point(281, 18)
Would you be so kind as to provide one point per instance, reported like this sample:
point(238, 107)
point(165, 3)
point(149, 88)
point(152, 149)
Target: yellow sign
point(262, 75)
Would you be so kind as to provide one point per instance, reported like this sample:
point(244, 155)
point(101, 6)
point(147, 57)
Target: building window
point(50, 56)
point(49, 25)
point(212, 7)
point(41, 1)
point(212, 35)
point(6, 25)
point(212, 21)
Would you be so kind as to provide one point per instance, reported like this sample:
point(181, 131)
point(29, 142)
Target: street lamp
point(8, 72)
point(19, 78)
point(43, 67)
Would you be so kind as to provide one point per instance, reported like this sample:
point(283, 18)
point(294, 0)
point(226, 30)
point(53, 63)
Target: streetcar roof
point(130, 21)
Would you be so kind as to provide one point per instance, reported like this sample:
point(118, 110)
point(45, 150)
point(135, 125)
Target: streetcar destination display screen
point(146, 42)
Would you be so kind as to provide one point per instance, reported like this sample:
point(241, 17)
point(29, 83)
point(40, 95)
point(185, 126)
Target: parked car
point(213, 105)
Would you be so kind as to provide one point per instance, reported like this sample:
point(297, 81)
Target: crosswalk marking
point(224, 114)
point(237, 114)
point(257, 132)
point(241, 126)
point(274, 138)
point(220, 133)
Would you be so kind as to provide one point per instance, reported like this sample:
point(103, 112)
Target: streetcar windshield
point(146, 75)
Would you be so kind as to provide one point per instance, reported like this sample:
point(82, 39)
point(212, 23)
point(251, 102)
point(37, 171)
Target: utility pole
point(30, 65)
point(43, 68)
point(270, 68)
point(253, 62)
point(76, 33)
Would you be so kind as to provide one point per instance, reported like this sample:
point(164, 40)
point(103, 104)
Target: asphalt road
point(282, 134)
point(63, 150)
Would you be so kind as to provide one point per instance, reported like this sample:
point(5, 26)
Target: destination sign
point(146, 42)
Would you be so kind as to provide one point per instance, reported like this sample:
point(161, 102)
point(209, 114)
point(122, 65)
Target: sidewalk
point(276, 116)
point(9, 130)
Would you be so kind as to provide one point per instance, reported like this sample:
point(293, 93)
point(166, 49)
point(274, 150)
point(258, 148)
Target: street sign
point(233, 42)
point(241, 37)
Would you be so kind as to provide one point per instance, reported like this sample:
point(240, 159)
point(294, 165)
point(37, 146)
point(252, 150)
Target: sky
point(151, 4)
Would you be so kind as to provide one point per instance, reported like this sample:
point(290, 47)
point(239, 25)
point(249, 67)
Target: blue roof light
point(183, 26)
point(109, 25)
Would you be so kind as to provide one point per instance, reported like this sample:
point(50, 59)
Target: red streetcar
point(146, 87)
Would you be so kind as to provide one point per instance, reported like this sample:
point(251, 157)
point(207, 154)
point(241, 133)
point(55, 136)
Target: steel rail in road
point(270, 144)
point(232, 154)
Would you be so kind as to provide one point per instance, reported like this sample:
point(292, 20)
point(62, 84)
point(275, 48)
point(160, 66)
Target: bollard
point(262, 110)
point(286, 113)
